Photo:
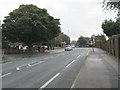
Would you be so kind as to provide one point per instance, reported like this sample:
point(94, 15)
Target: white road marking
point(23, 65)
point(88, 52)
point(5, 75)
point(29, 65)
point(45, 58)
point(17, 68)
point(78, 56)
point(70, 64)
point(7, 63)
point(50, 80)
point(73, 85)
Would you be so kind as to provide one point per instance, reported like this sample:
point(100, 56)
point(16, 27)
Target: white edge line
point(77, 75)
point(5, 75)
point(48, 82)
point(70, 64)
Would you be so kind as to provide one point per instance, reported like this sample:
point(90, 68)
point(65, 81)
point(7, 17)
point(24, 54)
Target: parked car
point(68, 48)
point(44, 47)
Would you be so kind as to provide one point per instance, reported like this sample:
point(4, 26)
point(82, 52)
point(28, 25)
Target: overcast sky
point(77, 17)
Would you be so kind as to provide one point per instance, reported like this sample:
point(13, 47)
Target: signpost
point(93, 41)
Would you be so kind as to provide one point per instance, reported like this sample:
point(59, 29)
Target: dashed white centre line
point(78, 56)
point(50, 80)
point(29, 65)
point(17, 68)
point(70, 64)
point(5, 75)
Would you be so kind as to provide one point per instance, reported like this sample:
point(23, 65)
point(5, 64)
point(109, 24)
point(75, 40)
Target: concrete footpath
point(100, 70)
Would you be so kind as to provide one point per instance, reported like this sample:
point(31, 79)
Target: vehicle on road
point(44, 47)
point(68, 48)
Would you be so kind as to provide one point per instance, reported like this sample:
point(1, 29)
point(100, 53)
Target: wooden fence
point(112, 46)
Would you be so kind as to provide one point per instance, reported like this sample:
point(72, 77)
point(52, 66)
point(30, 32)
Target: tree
point(66, 38)
point(73, 42)
point(100, 37)
point(112, 5)
point(62, 38)
point(82, 41)
point(111, 28)
point(30, 25)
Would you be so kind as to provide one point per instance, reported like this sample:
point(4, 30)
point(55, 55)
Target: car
point(73, 46)
point(44, 47)
point(68, 48)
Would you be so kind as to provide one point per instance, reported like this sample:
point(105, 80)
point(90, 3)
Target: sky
point(77, 17)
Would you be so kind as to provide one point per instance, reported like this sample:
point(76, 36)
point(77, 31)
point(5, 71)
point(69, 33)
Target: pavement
point(100, 70)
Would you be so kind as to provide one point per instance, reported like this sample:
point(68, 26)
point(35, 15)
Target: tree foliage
point(30, 24)
point(111, 4)
point(73, 42)
point(100, 38)
point(62, 38)
point(82, 41)
point(111, 27)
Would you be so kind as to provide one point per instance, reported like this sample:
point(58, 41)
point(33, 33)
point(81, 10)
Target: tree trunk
point(30, 48)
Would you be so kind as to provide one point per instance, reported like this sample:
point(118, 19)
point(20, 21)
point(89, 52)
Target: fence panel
point(112, 46)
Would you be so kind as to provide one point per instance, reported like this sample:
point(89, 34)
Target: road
point(40, 71)
point(58, 69)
